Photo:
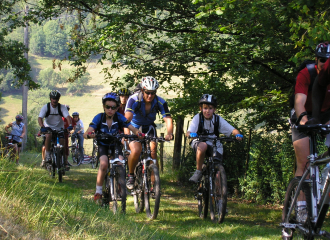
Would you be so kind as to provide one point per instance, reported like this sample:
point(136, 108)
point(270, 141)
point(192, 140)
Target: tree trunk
point(178, 142)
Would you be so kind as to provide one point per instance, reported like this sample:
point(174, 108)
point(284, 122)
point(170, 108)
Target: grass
point(52, 210)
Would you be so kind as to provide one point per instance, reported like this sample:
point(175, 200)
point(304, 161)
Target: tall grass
point(66, 211)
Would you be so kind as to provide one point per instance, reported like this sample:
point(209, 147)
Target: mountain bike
point(146, 190)
point(315, 189)
point(212, 188)
point(95, 157)
point(56, 162)
point(114, 185)
point(75, 155)
point(8, 148)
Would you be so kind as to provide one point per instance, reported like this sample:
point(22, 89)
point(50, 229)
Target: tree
point(78, 85)
point(48, 78)
point(38, 42)
point(55, 39)
point(12, 52)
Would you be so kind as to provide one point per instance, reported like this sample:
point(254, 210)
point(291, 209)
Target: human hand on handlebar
point(140, 135)
point(193, 135)
point(169, 137)
point(91, 135)
point(239, 137)
point(313, 121)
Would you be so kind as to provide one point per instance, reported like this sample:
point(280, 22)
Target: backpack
point(58, 109)
point(201, 130)
point(310, 65)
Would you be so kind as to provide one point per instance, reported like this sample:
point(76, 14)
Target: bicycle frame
point(319, 197)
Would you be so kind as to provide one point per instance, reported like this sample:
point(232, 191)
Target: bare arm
point(86, 136)
point(299, 106)
point(8, 126)
point(169, 127)
point(129, 116)
point(40, 122)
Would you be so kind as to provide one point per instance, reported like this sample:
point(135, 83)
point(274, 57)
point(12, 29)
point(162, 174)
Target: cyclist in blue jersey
point(141, 109)
point(110, 121)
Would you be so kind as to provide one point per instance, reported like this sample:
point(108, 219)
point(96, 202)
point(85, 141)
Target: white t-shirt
point(224, 128)
point(54, 120)
point(79, 126)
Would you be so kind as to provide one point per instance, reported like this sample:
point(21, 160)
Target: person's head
point(19, 118)
point(110, 103)
point(124, 93)
point(149, 88)
point(207, 105)
point(67, 107)
point(75, 116)
point(322, 53)
point(54, 96)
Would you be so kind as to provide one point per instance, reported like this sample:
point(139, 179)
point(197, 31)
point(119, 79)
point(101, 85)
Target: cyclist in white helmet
point(141, 110)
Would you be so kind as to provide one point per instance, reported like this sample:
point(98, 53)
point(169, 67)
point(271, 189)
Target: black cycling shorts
point(19, 144)
point(104, 150)
point(209, 150)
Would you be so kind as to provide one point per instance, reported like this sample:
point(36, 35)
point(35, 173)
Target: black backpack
point(58, 109)
point(201, 130)
point(310, 65)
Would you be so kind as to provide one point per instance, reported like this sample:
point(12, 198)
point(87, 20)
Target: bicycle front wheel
point(287, 234)
point(138, 192)
point(152, 193)
point(119, 185)
point(203, 199)
point(218, 195)
point(94, 158)
point(59, 164)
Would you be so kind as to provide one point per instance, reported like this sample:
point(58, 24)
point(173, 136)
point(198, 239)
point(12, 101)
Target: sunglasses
point(150, 93)
point(323, 60)
point(112, 107)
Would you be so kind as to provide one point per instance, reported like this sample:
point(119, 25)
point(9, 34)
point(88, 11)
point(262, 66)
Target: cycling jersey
point(140, 118)
point(17, 131)
point(324, 76)
point(99, 124)
point(302, 86)
point(54, 120)
point(224, 128)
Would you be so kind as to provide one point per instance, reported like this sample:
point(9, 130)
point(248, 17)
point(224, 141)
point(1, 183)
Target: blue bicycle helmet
point(111, 96)
point(19, 118)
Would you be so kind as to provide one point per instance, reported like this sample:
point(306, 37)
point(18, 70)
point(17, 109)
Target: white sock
point(98, 189)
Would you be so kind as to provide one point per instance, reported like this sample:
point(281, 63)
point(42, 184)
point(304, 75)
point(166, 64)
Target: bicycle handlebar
point(316, 128)
point(222, 139)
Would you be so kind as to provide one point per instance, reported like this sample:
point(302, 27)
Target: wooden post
point(161, 154)
point(248, 153)
point(177, 142)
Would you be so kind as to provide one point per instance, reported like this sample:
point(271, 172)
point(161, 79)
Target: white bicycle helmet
point(149, 83)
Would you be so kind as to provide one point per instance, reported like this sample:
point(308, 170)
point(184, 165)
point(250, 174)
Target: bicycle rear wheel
point(287, 234)
point(138, 192)
point(152, 194)
point(218, 195)
point(119, 185)
point(203, 199)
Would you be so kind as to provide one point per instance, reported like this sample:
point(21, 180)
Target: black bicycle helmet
point(19, 117)
point(322, 50)
point(124, 92)
point(55, 94)
point(208, 99)
point(75, 114)
point(111, 96)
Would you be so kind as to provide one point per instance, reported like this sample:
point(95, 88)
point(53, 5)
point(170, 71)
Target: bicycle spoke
point(138, 193)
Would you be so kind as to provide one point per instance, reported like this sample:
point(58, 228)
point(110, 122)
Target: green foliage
point(270, 169)
point(55, 39)
point(38, 42)
point(78, 86)
point(48, 78)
